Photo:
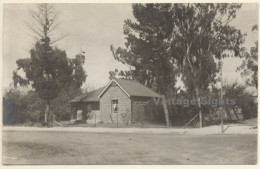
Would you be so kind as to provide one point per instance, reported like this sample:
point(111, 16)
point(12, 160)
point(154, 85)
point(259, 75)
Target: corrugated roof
point(134, 88)
point(88, 97)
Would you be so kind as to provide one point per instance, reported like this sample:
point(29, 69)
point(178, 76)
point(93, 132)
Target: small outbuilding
point(84, 107)
point(120, 101)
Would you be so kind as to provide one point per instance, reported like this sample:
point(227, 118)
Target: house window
point(114, 106)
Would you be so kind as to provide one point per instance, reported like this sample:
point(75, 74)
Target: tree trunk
point(235, 112)
point(197, 92)
point(53, 119)
point(166, 113)
point(199, 105)
point(228, 112)
point(210, 115)
point(47, 112)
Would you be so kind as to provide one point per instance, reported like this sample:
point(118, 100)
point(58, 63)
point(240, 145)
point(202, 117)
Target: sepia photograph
point(130, 83)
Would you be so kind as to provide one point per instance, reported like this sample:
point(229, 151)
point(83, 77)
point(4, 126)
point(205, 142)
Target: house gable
point(114, 93)
point(111, 83)
point(131, 88)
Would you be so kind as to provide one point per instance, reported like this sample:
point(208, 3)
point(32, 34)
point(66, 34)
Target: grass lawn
point(90, 148)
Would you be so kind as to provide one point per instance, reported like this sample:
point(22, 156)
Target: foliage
point(66, 92)
point(201, 33)
point(146, 51)
point(120, 74)
point(28, 107)
point(49, 71)
point(126, 117)
point(249, 66)
point(18, 107)
point(244, 100)
point(35, 106)
point(153, 113)
point(15, 106)
point(62, 108)
point(179, 39)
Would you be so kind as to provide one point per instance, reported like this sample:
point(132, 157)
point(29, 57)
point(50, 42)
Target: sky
point(93, 28)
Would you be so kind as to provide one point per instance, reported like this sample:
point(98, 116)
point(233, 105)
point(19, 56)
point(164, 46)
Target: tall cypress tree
point(48, 70)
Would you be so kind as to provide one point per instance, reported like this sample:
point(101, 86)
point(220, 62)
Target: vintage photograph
point(130, 84)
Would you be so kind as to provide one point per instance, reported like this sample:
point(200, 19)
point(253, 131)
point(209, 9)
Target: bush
point(14, 107)
point(43, 123)
point(154, 113)
point(21, 107)
point(244, 100)
point(126, 118)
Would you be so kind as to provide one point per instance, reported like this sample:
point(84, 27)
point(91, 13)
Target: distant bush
point(244, 100)
point(14, 107)
point(27, 107)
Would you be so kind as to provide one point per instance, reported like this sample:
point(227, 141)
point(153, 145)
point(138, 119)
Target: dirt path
point(112, 148)
point(229, 129)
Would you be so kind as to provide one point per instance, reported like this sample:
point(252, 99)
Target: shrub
point(153, 113)
point(244, 100)
point(126, 118)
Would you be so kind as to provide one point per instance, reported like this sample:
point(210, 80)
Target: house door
point(89, 109)
point(79, 115)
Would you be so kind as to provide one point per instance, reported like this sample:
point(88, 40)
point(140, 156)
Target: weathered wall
point(95, 106)
point(83, 105)
point(124, 105)
point(138, 108)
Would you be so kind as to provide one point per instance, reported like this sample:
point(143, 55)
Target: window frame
point(112, 105)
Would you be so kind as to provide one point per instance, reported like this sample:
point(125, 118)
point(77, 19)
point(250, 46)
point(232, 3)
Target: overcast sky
point(93, 28)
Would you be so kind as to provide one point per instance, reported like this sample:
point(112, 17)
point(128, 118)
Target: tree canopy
point(249, 66)
point(168, 40)
point(48, 70)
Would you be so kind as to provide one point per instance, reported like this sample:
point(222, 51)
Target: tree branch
point(35, 31)
point(36, 17)
point(58, 39)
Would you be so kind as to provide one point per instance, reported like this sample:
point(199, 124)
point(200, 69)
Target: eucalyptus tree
point(167, 40)
point(249, 66)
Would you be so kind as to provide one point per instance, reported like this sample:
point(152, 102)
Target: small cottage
point(119, 101)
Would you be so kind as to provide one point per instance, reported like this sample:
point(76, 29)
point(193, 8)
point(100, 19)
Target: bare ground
point(32, 147)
